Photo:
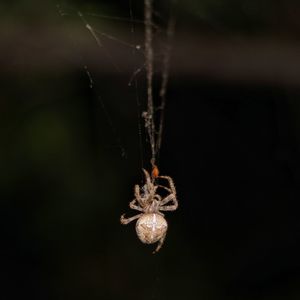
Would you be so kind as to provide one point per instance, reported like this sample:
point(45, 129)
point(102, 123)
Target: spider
point(151, 226)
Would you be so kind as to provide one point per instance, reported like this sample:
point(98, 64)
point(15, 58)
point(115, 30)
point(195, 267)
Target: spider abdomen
point(151, 227)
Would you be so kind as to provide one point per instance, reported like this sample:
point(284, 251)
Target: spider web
point(149, 111)
point(148, 83)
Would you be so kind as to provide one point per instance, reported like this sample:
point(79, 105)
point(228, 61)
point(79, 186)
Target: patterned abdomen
point(151, 227)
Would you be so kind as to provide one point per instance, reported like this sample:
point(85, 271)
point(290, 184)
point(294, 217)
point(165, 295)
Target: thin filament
point(149, 116)
point(134, 79)
point(165, 79)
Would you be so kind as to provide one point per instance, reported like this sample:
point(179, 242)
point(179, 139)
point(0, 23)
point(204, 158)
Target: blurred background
point(71, 154)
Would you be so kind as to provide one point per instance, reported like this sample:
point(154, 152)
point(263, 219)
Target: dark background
point(70, 155)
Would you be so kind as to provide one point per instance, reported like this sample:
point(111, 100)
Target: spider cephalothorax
point(151, 226)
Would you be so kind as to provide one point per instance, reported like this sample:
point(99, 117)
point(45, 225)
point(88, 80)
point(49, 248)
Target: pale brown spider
point(151, 226)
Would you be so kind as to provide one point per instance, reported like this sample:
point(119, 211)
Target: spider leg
point(157, 197)
point(148, 178)
point(169, 207)
point(125, 221)
point(132, 205)
point(138, 196)
point(171, 183)
point(169, 198)
point(160, 243)
point(164, 187)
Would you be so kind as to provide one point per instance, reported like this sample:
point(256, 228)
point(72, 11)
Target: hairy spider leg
point(164, 187)
point(138, 195)
point(132, 205)
point(148, 178)
point(157, 197)
point(160, 243)
point(125, 221)
point(171, 183)
point(169, 207)
point(150, 187)
point(169, 198)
